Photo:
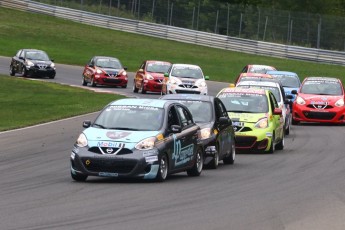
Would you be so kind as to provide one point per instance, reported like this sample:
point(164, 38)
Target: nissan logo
point(109, 150)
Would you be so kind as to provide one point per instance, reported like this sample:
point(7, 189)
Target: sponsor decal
point(182, 155)
point(117, 135)
point(108, 174)
point(151, 159)
point(87, 162)
point(110, 144)
point(150, 152)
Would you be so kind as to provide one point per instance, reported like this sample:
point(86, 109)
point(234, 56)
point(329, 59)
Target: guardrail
point(181, 34)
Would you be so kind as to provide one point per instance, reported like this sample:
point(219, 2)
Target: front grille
point(319, 115)
point(320, 106)
point(245, 142)
point(242, 129)
point(187, 91)
point(107, 150)
point(188, 86)
point(112, 80)
point(110, 165)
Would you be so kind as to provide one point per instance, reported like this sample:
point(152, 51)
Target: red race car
point(319, 99)
point(105, 71)
point(150, 75)
point(261, 69)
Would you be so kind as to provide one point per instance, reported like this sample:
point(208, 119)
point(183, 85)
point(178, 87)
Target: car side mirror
point(277, 111)
point(90, 65)
point(166, 75)
point(294, 91)
point(176, 128)
point(207, 78)
point(224, 121)
point(141, 71)
point(52, 60)
point(125, 68)
point(86, 124)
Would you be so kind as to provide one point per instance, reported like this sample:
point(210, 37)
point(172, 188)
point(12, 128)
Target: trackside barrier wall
point(181, 34)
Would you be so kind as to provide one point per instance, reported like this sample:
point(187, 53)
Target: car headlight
point(146, 144)
point(340, 102)
point(205, 133)
point(262, 123)
point(300, 101)
point(202, 84)
point(29, 63)
point(99, 71)
point(174, 81)
point(124, 73)
point(149, 77)
point(81, 141)
point(52, 65)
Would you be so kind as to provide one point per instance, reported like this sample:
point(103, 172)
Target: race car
point(217, 133)
point(138, 138)
point(101, 70)
point(254, 68)
point(150, 75)
point(184, 78)
point(256, 118)
point(319, 99)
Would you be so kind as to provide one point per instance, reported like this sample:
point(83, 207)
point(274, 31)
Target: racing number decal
point(182, 155)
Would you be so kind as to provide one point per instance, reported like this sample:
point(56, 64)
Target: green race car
point(257, 118)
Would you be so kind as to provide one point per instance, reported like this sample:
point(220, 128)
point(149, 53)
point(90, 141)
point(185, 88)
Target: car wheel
point(229, 160)
point(281, 143)
point(163, 169)
point(272, 146)
point(287, 131)
point(142, 88)
point(83, 82)
point(294, 122)
point(78, 177)
point(93, 83)
point(135, 89)
point(199, 162)
point(12, 72)
point(24, 72)
point(215, 160)
point(124, 86)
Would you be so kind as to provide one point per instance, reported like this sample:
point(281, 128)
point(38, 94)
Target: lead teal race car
point(256, 118)
point(138, 138)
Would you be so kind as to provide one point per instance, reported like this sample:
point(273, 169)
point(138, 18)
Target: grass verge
point(27, 102)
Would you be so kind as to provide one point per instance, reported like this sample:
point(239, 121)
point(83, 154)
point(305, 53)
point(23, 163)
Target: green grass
point(73, 43)
point(25, 102)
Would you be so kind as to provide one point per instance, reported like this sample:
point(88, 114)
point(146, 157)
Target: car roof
point(186, 65)
point(281, 72)
point(243, 90)
point(322, 79)
point(188, 97)
point(154, 61)
point(158, 103)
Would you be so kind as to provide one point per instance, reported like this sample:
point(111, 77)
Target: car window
point(201, 111)
point(187, 72)
point(172, 117)
point(186, 118)
point(18, 53)
point(220, 108)
point(273, 102)
point(322, 87)
point(158, 67)
point(108, 63)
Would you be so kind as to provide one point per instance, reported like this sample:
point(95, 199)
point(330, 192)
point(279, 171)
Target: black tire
point(124, 86)
point(83, 82)
point(272, 146)
point(93, 84)
point(135, 89)
point(294, 122)
point(163, 169)
point(198, 165)
point(12, 72)
point(229, 160)
point(142, 88)
point(78, 177)
point(52, 77)
point(24, 72)
point(215, 161)
point(287, 131)
point(281, 144)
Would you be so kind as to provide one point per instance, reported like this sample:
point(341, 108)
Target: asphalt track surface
point(301, 187)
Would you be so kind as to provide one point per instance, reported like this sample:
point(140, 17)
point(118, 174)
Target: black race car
point(217, 133)
point(140, 138)
point(32, 63)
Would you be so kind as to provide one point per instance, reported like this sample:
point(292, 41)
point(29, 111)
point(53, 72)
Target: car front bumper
point(306, 114)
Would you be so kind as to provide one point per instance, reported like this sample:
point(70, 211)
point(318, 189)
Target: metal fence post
point(216, 26)
point(239, 33)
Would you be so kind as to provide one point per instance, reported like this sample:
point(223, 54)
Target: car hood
point(191, 80)
point(37, 62)
point(111, 137)
point(246, 117)
point(157, 75)
point(320, 99)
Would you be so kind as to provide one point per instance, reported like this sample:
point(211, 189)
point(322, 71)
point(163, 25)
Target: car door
point(140, 75)
point(225, 131)
point(19, 61)
point(88, 70)
point(277, 120)
point(182, 145)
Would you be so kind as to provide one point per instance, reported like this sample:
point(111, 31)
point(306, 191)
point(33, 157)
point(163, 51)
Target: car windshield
point(260, 69)
point(201, 110)
point(158, 67)
point(187, 72)
point(128, 117)
point(244, 102)
point(291, 81)
point(108, 63)
point(322, 87)
point(274, 90)
point(36, 55)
